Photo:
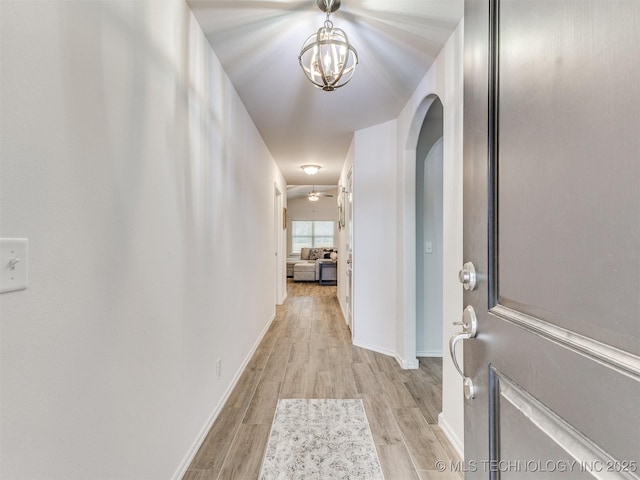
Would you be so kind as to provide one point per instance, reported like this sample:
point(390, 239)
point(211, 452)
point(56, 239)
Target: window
point(308, 233)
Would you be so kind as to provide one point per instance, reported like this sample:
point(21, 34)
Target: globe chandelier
point(327, 58)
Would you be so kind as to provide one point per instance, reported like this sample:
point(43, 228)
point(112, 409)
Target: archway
point(429, 234)
point(450, 419)
point(408, 281)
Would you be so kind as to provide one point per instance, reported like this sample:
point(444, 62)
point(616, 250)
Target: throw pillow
point(315, 253)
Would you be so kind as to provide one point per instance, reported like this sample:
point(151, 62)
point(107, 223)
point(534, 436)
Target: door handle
point(469, 329)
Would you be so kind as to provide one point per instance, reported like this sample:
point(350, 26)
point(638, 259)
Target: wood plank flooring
point(307, 353)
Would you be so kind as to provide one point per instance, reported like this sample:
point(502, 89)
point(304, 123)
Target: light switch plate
point(14, 264)
point(428, 247)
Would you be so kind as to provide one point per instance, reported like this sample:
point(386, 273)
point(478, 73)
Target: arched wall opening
point(451, 416)
point(408, 293)
point(429, 233)
point(444, 81)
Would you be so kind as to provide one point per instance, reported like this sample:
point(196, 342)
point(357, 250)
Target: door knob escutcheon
point(469, 330)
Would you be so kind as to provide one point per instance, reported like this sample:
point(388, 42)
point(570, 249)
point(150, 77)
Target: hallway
point(307, 353)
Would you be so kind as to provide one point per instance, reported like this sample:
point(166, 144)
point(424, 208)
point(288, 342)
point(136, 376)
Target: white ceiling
point(258, 42)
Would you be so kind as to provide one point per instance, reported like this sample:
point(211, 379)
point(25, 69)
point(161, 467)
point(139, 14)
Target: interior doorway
point(279, 230)
point(429, 234)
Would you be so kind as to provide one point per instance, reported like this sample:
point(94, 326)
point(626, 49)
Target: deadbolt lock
point(467, 276)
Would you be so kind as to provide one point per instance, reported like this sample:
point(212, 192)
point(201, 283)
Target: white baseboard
point(344, 311)
point(374, 348)
point(451, 436)
point(407, 364)
point(404, 364)
point(429, 353)
point(184, 465)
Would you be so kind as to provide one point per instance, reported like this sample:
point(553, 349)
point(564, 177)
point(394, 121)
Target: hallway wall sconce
point(310, 169)
point(327, 58)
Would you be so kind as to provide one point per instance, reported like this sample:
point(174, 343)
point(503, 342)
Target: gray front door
point(552, 224)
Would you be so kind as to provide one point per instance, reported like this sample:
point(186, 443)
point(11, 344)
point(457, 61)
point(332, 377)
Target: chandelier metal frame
point(327, 58)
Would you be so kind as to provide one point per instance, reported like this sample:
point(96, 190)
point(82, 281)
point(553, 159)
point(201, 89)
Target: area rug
point(320, 439)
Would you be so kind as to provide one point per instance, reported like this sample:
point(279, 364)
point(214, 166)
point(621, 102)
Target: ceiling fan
point(314, 196)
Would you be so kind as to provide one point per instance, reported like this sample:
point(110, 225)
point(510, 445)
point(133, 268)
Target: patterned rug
point(320, 439)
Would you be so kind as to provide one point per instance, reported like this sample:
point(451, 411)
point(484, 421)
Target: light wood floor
point(307, 353)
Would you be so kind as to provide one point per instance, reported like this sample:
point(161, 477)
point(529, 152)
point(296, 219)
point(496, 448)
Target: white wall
point(146, 193)
point(384, 173)
point(374, 262)
point(444, 79)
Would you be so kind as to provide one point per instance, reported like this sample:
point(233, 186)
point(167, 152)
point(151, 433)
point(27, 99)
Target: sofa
point(308, 262)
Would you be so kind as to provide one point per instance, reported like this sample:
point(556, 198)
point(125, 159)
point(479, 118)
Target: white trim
point(191, 453)
point(407, 364)
point(429, 353)
point(373, 348)
point(457, 445)
point(344, 312)
point(404, 364)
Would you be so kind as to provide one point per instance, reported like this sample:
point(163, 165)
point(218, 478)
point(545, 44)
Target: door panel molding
point(618, 359)
point(492, 154)
point(493, 387)
point(588, 456)
point(555, 324)
point(623, 362)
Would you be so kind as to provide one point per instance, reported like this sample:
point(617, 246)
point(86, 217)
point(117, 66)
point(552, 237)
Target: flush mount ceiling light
point(310, 169)
point(327, 58)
